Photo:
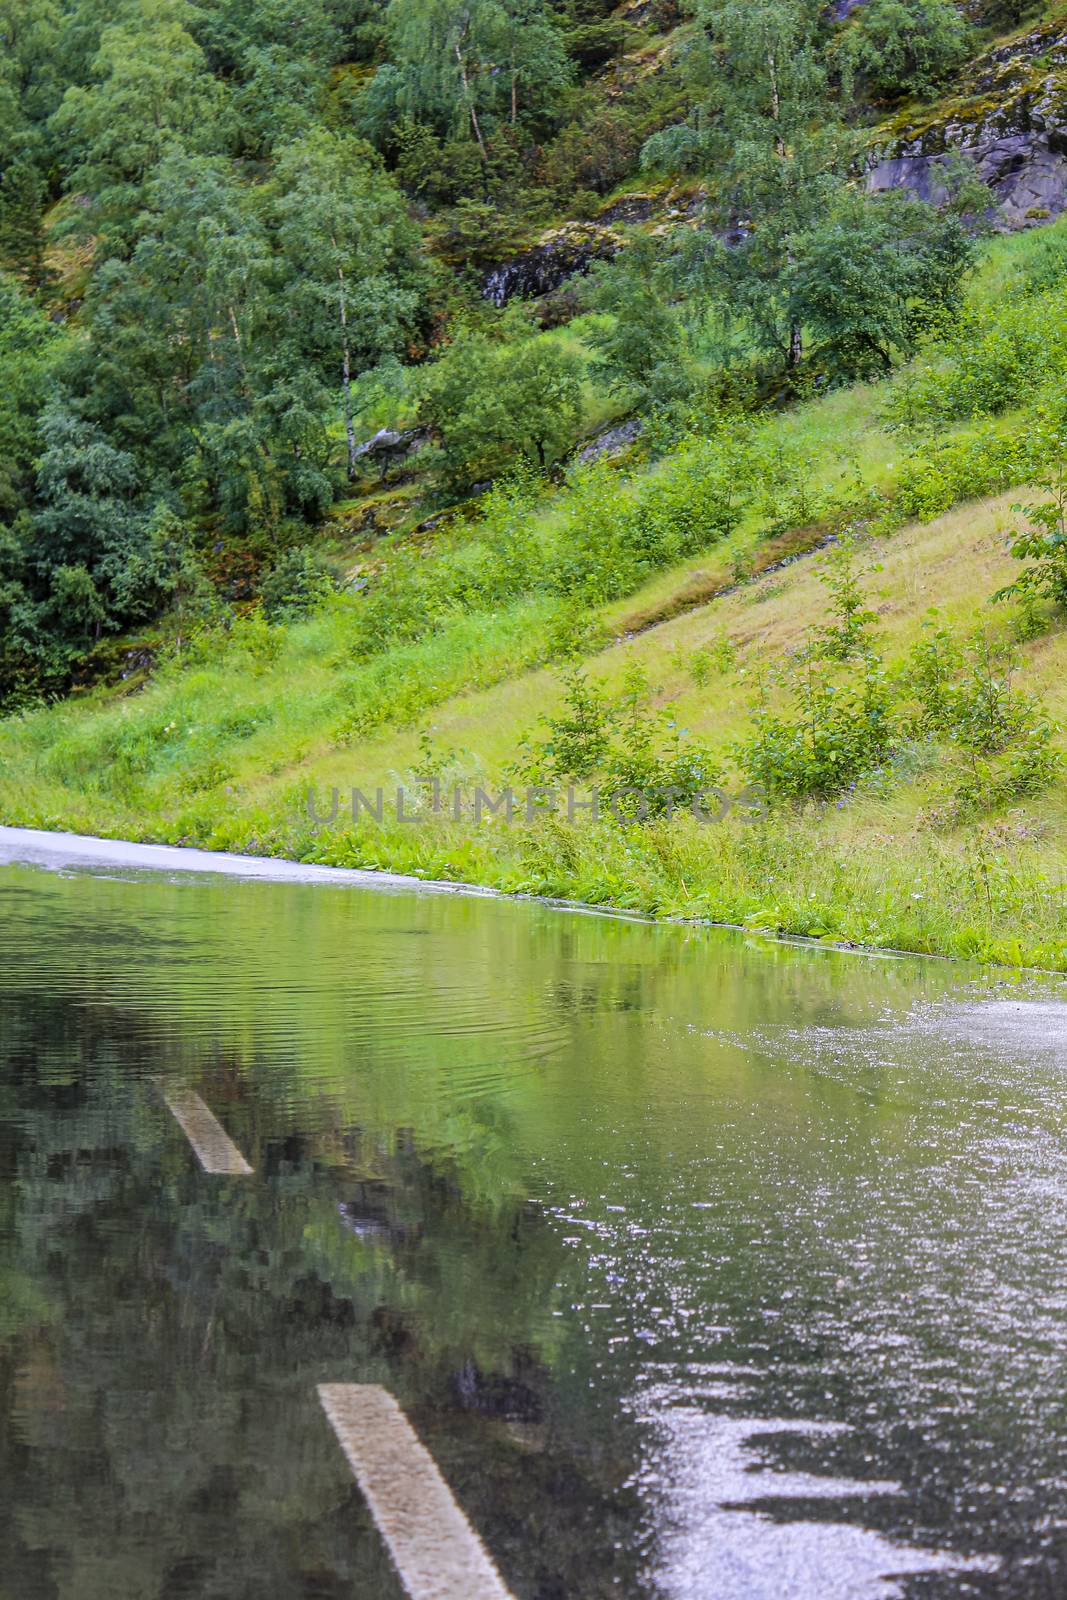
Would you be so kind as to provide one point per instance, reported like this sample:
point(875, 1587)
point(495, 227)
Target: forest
point(234, 232)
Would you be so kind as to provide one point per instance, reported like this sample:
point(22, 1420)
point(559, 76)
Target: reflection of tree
point(160, 1431)
point(419, 1083)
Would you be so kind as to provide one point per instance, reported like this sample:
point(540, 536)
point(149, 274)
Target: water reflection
point(702, 1268)
point(708, 1474)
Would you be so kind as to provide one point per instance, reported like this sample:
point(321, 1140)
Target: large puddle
point(705, 1269)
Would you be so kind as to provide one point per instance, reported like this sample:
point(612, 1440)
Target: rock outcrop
point(561, 254)
point(1011, 121)
point(613, 441)
point(388, 449)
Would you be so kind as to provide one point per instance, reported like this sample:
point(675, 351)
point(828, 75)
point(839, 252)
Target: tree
point(30, 33)
point(29, 343)
point(87, 493)
point(177, 326)
point(873, 277)
point(901, 47)
point(775, 154)
point(1042, 541)
point(640, 347)
point(350, 272)
point(496, 403)
point(302, 30)
point(23, 196)
point(151, 89)
point(469, 64)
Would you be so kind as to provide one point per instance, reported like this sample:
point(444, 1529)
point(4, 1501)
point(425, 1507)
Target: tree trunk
point(470, 103)
point(346, 378)
point(776, 102)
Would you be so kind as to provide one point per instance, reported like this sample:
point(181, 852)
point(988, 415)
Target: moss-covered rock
point(1010, 117)
point(558, 255)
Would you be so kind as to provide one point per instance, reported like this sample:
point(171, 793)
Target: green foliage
point(940, 474)
point(496, 402)
point(873, 278)
point(29, 344)
point(961, 693)
point(23, 196)
point(842, 722)
point(349, 265)
point(641, 764)
point(768, 133)
point(591, 44)
point(903, 47)
point(150, 88)
point(641, 346)
point(848, 633)
point(1043, 542)
point(848, 716)
point(467, 68)
point(596, 150)
point(841, 727)
point(993, 358)
point(298, 582)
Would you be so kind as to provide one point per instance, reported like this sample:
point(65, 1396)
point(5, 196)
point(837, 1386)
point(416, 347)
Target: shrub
point(643, 763)
point(848, 632)
point(993, 361)
point(841, 727)
point(964, 697)
point(495, 404)
point(904, 47)
point(1043, 543)
point(982, 461)
point(298, 582)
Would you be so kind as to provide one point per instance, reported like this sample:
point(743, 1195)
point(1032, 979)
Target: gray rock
point(1026, 172)
point(1017, 137)
point(612, 441)
point(550, 263)
point(631, 208)
point(388, 447)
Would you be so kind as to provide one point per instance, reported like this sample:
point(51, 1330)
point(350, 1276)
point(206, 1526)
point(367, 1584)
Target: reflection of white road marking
point(436, 1551)
point(215, 1150)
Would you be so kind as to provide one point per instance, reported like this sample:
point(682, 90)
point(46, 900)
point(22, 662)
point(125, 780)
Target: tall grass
point(221, 744)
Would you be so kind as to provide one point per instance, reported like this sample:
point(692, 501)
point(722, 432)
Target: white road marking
point(435, 1550)
point(214, 1149)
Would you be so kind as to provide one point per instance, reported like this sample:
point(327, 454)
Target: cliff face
point(1010, 118)
point(560, 254)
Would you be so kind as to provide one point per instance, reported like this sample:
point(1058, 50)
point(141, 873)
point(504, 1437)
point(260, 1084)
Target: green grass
point(223, 744)
point(874, 872)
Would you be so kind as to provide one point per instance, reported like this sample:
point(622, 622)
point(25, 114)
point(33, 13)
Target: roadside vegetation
point(829, 565)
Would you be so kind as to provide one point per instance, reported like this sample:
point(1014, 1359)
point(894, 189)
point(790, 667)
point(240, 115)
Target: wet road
point(702, 1267)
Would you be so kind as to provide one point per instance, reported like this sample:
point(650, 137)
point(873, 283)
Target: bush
point(962, 694)
point(495, 404)
point(842, 726)
point(591, 44)
point(904, 47)
point(993, 361)
point(298, 582)
point(983, 461)
point(1044, 542)
point(642, 763)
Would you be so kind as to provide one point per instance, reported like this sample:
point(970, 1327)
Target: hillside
point(877, 870)
point(662, 414)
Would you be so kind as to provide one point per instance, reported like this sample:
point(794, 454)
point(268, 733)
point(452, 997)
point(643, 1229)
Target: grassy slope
point(870, 872)
point(219, 750)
